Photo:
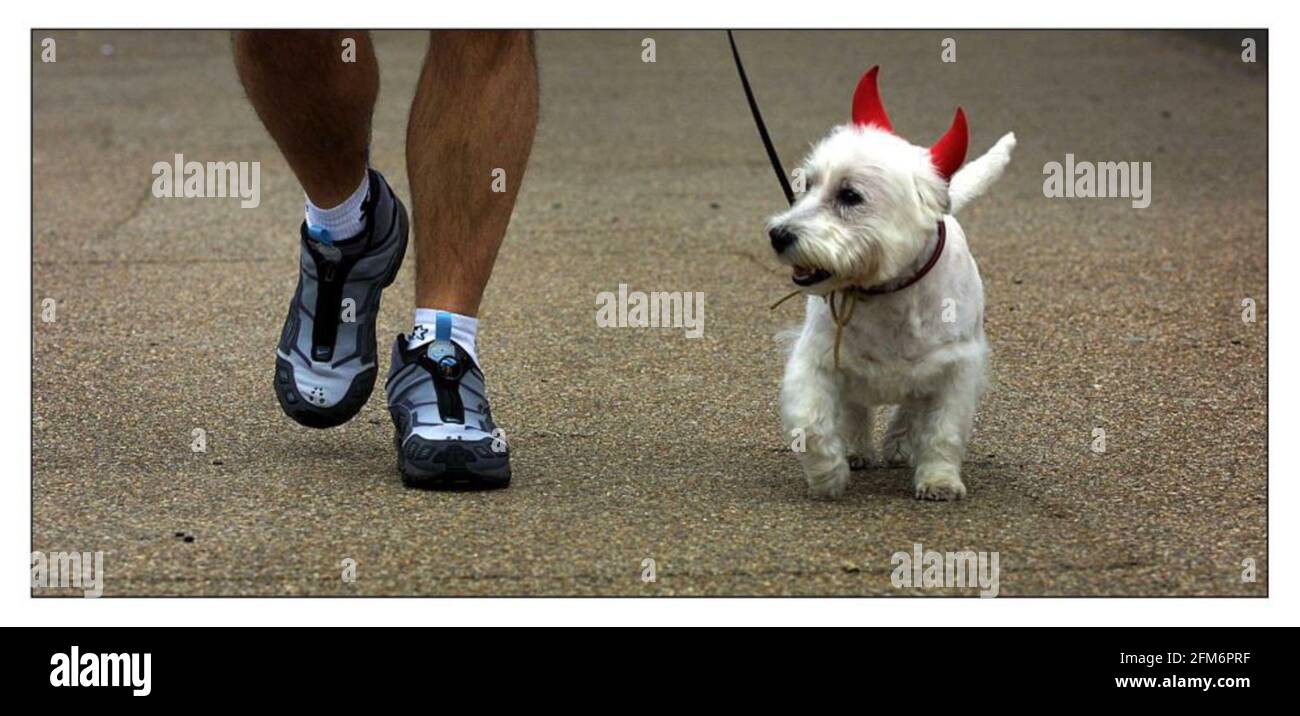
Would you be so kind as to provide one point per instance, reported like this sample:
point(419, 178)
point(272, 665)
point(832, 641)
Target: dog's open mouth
point(803, 276)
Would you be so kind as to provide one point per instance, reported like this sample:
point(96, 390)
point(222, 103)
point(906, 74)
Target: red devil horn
point(867, 109)
point(950, 151)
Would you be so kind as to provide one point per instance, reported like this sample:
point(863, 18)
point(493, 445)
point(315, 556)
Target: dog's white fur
point(898, 349)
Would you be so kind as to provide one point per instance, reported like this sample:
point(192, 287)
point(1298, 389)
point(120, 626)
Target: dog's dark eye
point(848, 197)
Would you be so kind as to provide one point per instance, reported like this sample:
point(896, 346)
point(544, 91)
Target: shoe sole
point(446, 465)
point(308, 415)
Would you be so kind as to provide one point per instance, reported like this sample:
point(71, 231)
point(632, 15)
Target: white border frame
point(18, 608)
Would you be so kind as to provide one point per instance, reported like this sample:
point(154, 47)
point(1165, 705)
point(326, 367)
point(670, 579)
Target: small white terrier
point(875, 227)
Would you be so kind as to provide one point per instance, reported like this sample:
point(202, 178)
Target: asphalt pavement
point(643, 444)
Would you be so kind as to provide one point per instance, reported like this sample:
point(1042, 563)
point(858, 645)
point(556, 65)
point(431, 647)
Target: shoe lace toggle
point(443, 362)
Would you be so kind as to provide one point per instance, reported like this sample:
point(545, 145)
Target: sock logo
point(91, 669)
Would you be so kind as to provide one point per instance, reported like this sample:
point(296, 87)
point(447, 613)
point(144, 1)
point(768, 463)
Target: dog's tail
point(976, 177)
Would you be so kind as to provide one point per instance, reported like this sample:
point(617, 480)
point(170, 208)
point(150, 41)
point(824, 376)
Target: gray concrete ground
point(634, 444)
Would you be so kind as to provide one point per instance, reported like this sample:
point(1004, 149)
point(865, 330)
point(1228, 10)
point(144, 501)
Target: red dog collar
point(929, 264)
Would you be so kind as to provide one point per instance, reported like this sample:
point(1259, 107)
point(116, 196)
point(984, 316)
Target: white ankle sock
point(341, 222)
point(464, 330)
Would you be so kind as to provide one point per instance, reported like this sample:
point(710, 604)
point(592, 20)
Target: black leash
point(758, 120)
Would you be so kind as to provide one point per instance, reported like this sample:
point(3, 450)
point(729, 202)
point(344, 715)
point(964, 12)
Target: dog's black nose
point(781, 238)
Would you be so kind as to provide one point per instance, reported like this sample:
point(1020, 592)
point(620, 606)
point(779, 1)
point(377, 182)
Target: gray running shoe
point(325, 366)
point(444, 432)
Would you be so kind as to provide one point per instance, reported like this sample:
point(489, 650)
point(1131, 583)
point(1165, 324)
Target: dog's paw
point(829, 485)
point(941, 484)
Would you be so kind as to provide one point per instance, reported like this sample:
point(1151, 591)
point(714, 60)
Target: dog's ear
point(932, 196)
point(868, 110)
point(950, 151)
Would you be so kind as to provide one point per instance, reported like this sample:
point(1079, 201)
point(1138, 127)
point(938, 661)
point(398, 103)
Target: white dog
point(875, 227)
